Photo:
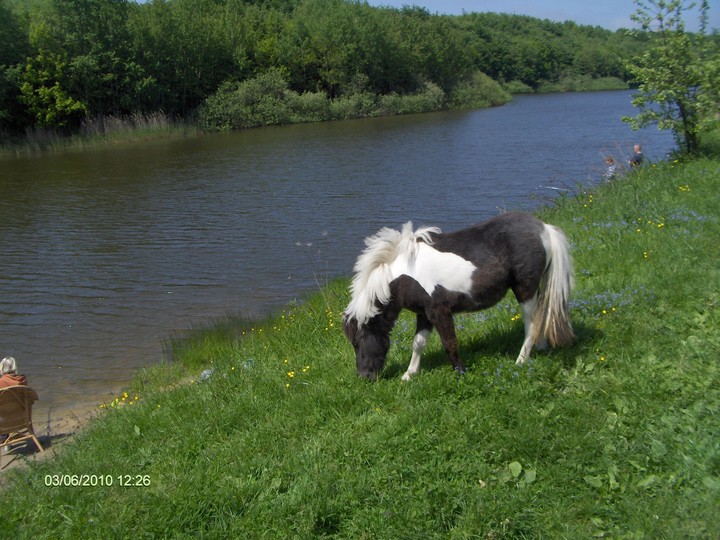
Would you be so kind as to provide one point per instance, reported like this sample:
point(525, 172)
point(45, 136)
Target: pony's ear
point(350, 328)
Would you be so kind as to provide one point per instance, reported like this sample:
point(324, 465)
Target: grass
point(101, 131)
point(262, 430)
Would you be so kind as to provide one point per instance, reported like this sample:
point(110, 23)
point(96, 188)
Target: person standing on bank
point(637, 157)
point(611, 170)
point(8, 373)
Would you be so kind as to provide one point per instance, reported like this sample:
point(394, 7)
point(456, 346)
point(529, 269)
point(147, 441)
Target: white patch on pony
point(371, 283)
point(430, 268)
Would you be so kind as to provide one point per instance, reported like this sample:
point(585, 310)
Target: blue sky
point(611, 14)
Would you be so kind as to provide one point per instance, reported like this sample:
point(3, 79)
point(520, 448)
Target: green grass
point(617, 436)
point(97, 132)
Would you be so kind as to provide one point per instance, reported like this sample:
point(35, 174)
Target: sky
point(610, 14)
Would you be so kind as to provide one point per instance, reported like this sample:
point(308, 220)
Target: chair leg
point(37, 442)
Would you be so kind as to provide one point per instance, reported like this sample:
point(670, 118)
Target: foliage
point(268, 100)
point(478, 92)
point(62, 61)
point(678, 76)
point(263, 429)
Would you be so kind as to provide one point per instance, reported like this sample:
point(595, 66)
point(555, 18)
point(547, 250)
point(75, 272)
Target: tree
point(14, 47)
point(677, 75)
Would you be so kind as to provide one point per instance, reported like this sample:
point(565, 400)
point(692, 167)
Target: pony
point(436, 274)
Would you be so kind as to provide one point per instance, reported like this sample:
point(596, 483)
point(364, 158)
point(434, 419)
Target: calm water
point(108, 252)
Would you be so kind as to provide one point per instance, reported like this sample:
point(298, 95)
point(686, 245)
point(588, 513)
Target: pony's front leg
point(423, 327)
point(442, 319)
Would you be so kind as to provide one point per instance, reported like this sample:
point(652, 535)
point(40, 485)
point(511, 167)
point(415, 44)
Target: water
point(106, 253)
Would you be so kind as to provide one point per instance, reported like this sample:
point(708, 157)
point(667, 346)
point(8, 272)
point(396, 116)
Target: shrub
point(356, 105)
point(308, 107)
point(477, 92)
point(261, 101)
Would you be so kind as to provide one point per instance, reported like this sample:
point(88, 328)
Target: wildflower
point(515, 317)
point(291, 374)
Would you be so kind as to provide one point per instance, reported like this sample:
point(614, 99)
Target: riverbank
point(614, 436)
point(244, 112)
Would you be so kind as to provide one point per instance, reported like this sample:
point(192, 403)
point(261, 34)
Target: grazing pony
point(436, 274)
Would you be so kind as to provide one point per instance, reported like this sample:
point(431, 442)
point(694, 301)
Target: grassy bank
point(615, 436)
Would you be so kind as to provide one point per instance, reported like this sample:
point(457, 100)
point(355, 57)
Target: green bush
point(261, 101)
point(477, 92)
point(356, 105)
point(518, 87)
point(308, 107)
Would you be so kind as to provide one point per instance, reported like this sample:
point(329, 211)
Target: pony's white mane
point(371, 282)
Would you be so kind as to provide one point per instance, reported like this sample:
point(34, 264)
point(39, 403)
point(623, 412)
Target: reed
point(100, 131)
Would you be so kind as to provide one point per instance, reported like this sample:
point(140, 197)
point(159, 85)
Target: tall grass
point(263, 430)
point(100, 131)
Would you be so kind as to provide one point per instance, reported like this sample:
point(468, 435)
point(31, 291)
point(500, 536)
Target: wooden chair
point(16, 416)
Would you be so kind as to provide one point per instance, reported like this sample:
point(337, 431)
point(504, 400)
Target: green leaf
point(594, 481)
point(530, 475)
point(515, 469)
point(137, 431)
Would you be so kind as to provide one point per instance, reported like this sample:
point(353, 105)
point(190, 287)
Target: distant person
point(611, 170)
point(8, 373)
point(637, 157)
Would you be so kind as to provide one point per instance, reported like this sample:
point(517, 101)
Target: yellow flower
point(291, 374)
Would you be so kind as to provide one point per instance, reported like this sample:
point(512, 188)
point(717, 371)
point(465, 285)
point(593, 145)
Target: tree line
point(65, 61)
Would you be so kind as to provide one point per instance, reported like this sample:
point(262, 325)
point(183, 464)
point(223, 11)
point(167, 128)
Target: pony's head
point(371, 341)
point(369, 317)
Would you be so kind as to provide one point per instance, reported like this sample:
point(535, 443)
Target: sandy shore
point(54, 428)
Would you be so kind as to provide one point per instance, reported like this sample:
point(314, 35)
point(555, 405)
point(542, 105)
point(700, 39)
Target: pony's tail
point(553, 310)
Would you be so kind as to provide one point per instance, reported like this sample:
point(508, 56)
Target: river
point(108, 252)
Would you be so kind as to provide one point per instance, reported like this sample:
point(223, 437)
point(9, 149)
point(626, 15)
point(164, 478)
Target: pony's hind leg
point(528, 311)
point(422, 331)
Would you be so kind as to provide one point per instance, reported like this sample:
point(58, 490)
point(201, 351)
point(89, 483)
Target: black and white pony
point(436, 274)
